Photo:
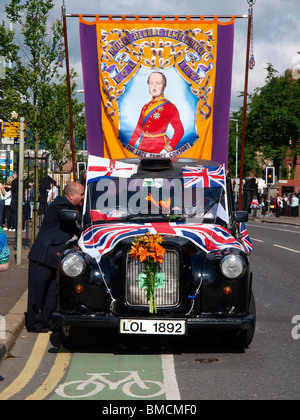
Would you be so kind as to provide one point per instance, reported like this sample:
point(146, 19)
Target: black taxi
point(161, 252)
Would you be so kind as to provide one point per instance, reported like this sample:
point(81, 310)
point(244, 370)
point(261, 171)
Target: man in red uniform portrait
point(150, 132)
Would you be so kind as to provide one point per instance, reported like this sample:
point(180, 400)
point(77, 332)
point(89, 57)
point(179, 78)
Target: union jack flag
point(245, 238)
point(204, 177)
point(100, 239)
point(100, 167)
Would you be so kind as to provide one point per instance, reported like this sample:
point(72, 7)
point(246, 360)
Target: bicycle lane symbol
point(132, 386)
point(112, 377)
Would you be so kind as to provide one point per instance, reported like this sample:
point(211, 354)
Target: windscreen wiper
point(145, 215)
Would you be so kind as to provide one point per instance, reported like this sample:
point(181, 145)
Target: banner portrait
point(157, 87)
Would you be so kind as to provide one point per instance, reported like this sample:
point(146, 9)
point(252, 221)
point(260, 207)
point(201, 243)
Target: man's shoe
point(40, 330)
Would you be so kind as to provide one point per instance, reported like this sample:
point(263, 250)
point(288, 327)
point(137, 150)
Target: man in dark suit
point(43, 258)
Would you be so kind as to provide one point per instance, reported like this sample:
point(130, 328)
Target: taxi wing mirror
point(69, 215)
point(240, 216)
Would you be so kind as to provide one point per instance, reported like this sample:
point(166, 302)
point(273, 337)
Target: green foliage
point(34, 64)
point(272, 123)
point(33, 86)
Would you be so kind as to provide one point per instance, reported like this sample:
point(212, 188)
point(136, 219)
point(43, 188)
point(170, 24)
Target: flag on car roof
point(204, 177)
point(99, 168)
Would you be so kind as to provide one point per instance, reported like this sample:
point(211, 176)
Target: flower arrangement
point(148, 250)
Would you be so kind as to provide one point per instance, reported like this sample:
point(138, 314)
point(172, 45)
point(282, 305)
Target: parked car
point(203, 279)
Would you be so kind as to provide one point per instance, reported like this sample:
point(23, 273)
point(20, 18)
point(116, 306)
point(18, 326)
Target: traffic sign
point(11, 129)
point(7, 140)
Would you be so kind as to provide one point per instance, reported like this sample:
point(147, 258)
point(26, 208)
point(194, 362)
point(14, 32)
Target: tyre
point(69, 337)
point(241, 339)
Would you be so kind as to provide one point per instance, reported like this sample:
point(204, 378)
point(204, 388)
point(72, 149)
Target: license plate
point(155, 326)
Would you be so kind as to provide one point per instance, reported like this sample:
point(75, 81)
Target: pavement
point(13, 294)
point(13, 286)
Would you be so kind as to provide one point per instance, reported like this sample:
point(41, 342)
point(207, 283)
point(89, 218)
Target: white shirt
point(52, 194)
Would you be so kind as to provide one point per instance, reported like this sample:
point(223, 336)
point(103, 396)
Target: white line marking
point(170, 381)
point(257, 240)
point(288, 249)
point(274, 228)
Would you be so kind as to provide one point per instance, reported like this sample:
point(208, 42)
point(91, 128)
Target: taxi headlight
point(232, 266)
point(73, 265)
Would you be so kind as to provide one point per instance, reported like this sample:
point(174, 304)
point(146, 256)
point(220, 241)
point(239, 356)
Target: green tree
point(34, 65)
point(33, 87)
point(272, 122)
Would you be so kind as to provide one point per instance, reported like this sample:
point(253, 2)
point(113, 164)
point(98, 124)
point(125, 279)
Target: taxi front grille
point(167, 290)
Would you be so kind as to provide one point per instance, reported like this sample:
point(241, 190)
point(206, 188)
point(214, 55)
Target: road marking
point(115, 368)
point(56, 373)
point(257, 240)
point(274, 228)
point(30, 368)
point(288, 249)
point(172, 390)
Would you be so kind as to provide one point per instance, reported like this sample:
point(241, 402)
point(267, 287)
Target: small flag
point(244, 236)
point(204, 177)
point(101, 167)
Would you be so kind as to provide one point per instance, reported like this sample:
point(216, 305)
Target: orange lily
point(165, 205)
point(157, 253)
point(134, 251)
point(143, 253)
point(150, 198)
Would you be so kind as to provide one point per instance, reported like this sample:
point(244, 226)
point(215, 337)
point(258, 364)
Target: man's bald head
point(74, 192)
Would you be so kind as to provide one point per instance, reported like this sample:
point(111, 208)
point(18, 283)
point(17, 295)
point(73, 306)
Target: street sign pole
point(20, 192)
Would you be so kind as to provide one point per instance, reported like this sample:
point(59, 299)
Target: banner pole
point(245, 107)
point(155, 17)
point(69, 96)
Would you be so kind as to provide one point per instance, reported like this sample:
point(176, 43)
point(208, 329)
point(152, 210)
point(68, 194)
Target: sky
point(276, 31)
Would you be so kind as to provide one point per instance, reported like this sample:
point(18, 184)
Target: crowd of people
point(9, 210)
point(285, 205)
point(9, 202)
point(51, 240)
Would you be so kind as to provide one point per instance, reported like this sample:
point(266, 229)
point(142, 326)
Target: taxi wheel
point(241, 339)
point(69, 337)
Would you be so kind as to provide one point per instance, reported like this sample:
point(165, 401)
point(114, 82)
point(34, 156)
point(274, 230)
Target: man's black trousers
point(42, 296)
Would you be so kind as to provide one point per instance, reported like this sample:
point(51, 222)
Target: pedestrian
point(7, 202)
point(285, 204)
point(4, 252)
point(2, 199)
point(254, 206)
point(294, 205)
point(263, 207)
point(31, 200)
point(272, 206)
point(52, 193)
point(14, 200)
point(279, 205)
point(43, 258)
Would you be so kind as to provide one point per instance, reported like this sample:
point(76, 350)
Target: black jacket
point(53, 234)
